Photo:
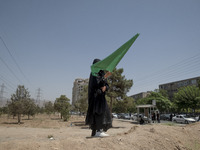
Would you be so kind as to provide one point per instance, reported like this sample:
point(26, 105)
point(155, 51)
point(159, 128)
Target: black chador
point(98, 114)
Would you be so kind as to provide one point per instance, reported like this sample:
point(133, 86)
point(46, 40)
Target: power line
point(171, 75)
point(185, 67)
point(167, 78)
point(179, 64)
point(10, 69)
point(14, 59)
point(173, 72)
point(10, 84)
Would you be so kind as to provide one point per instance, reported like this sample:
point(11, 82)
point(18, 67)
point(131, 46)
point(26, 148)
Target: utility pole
point(38, 96)
point(1, 95)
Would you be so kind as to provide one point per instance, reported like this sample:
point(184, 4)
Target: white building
point(78, 88)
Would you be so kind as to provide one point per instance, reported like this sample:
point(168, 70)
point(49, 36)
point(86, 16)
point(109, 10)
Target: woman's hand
point(103, 88)
point(107, 74)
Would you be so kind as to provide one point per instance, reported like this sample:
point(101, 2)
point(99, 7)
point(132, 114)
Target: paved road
point(162, 122)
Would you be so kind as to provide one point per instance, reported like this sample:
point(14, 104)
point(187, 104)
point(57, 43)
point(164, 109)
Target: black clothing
point(98, 114)
point(171, 117)
point(96, 60)
point(141, 121)
point(153, 117)
point(158, 117)
point(93, 132)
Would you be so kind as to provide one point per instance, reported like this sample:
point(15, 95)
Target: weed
point(50, 136)
point(169, 124)
point(194, 146)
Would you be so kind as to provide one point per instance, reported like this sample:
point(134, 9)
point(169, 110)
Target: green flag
point(110, 62)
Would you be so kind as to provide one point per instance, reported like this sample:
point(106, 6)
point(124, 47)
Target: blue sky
point(54, 42)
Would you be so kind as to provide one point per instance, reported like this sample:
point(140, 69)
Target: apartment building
point(141, 95)
point(173, 87)
point(78, 88)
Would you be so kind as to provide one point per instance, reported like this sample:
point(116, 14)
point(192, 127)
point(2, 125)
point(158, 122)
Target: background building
point(140, 95)
point(78, 88)
point(173, 87)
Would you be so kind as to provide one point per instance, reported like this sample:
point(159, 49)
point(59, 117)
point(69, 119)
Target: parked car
point(183, 119)
point(120, 115)
point(126, 116)
point(195, 117)
point(134, 116)
point(165, 117)
point(114, 115)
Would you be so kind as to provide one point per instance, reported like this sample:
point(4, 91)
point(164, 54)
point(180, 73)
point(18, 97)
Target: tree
point(118, 86)
point(29, 108)
point(187, 97)
point(130, 105)
point(17, 104)
point(11, 108)
point(83, 101)
point(198, 100)
point(62, 105)
point(119, 107)
point(127, 105)
point(49, 108)
point(164, 93)
point(76, 106)
point(162, 103)
point(1, 111)
point(198, 83)
point(39, 110)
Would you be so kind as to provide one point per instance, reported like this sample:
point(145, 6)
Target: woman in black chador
point(98, 114)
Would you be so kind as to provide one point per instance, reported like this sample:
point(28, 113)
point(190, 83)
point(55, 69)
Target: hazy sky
point(47, 44)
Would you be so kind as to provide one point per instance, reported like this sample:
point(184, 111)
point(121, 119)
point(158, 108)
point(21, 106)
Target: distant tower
point(1, 95)
point(38, 98)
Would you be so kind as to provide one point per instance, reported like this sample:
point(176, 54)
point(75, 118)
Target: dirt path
point(74, 135)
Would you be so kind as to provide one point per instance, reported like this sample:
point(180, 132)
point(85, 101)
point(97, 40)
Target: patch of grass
point(169, 124)
point(45, 127)
point(194, 146)
point(50, 136)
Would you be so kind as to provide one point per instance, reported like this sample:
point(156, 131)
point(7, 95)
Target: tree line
point(21, 104)
point(186, 99)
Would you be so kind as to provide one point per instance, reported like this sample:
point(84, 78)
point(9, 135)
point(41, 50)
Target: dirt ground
point(45, 132)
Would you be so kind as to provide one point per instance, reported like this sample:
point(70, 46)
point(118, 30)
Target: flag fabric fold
point(111, 61)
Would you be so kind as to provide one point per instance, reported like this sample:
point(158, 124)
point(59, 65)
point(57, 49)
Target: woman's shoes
point(101, 134)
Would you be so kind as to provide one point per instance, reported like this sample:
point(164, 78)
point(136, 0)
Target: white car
point(183, 119)
point(114, 115)
point(134, 116)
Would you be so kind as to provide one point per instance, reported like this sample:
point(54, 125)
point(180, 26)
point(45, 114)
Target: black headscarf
point(96, 60)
